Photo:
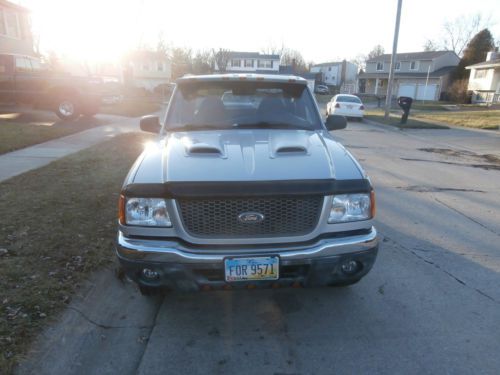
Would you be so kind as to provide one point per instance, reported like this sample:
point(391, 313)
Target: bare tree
point(360, 61)
point(220, 59)
point(294, 58)
point(273, 49)
point(458, 32)
point(430, 45)
point(376, 51)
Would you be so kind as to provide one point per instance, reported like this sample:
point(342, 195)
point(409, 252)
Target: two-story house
point(419, 75)
point(147, 69)
point(336, 73)
point(252, 62)
point(484, 80)
point(15, 31)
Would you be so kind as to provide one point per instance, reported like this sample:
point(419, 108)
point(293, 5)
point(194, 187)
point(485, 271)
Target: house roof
point(14, 6)
point(485, 64)
point(436, 74)
point(426, 55)
point(252, 55)
point(328, 64)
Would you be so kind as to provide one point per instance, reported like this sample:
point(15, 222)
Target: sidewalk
point(33, 157)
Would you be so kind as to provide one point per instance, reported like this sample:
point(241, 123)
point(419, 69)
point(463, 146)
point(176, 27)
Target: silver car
point(245, 195)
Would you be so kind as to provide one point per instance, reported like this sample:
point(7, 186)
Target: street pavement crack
point(104, 326)
point(482, 166)
point(148, 336)
point(437, 266)
point(466, 216)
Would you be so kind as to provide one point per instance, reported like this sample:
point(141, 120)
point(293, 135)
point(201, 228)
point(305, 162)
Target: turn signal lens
point(121, 209)
point(373, 204)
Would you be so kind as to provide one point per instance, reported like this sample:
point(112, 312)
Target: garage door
point(428, 93)
point(407, 90)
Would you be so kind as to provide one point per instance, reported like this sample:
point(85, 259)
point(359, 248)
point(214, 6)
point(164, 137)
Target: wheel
point(67, 108)
point(344, 283)
point(149, 290)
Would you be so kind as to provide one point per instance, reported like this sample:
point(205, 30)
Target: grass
point(485, 119)
point(57, 224)
point(23, 132)
point(377, 115)
point(131, 108)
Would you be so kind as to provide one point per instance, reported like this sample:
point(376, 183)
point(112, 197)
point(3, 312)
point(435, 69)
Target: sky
point(321, 30)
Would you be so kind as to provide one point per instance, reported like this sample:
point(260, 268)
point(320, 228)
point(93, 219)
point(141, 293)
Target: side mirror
point(150, 124)
point(335, 122)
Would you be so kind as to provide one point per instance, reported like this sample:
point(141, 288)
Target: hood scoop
point(291, 150)
point(289, 144)
point(204, 149)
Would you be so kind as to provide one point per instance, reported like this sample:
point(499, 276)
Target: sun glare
point(94, 31)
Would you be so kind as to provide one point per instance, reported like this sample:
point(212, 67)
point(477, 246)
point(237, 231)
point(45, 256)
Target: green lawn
point(395, 120)
point(57, 224)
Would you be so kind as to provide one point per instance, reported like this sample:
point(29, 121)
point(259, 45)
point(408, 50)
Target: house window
point(159, 66)
point(145, 66)
point(414, 65)
point(11, 24)
point(480, 73)
point(267, 64)
point(236, 63)
point(248, 63)
point(329, 68)
point(380, 66)
point(397, 66)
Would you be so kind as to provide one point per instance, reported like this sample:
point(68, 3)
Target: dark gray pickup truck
point(25, 80)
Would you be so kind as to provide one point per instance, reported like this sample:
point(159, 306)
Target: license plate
point(349, 106)
point(245, 269)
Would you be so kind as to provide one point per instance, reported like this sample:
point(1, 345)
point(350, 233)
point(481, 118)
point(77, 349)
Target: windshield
point(348, 99)
point(219, 104)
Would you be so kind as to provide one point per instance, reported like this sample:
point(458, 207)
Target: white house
point(484, 80)
point(419, 75)
point(147, 69)
point(336, 73)
point(252, 62)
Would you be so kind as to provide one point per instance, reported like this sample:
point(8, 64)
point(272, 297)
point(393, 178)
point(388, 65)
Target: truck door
point(7, 95)
point(24, 85)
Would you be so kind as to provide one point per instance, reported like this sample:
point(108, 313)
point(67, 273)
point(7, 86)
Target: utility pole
point(393, 62)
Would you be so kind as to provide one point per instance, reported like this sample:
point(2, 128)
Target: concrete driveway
point(431, 304)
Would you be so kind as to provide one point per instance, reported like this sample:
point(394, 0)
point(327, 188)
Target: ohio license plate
point(245, 269)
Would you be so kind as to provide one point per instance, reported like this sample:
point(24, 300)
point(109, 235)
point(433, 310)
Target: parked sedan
point(322, 90)
point(346, 105)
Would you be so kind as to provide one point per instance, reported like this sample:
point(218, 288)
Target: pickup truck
point(245, 193)
point(25, 80)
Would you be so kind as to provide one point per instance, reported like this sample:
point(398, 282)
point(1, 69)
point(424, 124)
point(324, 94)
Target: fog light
point(350, 267)
point(150, 274)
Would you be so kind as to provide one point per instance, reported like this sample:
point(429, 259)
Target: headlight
point(151, 212)
point(351, 207)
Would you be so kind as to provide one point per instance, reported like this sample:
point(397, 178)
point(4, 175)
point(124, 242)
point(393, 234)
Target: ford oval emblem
point(250, 217)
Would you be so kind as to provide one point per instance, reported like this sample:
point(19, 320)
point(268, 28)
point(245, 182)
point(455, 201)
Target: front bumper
point(189, 267)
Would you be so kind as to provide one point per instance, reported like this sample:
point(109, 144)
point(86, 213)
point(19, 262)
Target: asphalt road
point(431, 304)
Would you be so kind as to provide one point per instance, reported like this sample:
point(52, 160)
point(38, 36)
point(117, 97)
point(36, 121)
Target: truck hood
point(246, 155)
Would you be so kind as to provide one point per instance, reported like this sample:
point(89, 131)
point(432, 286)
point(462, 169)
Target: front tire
point(67, 108)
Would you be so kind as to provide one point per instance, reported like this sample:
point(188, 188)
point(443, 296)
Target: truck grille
point(291, 216)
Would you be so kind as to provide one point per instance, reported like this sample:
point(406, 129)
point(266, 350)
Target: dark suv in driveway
point(25, 80)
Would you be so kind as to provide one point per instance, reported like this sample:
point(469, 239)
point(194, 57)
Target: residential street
point(431, 304)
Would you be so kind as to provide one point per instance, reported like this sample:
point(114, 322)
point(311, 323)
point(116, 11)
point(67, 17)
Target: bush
point(459, 92)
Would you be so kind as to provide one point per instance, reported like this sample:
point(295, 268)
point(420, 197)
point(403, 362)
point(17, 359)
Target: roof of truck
point(243, 77)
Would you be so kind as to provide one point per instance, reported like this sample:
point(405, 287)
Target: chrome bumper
point(172, 251)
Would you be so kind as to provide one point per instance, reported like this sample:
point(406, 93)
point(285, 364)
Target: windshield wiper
point(273, 125)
